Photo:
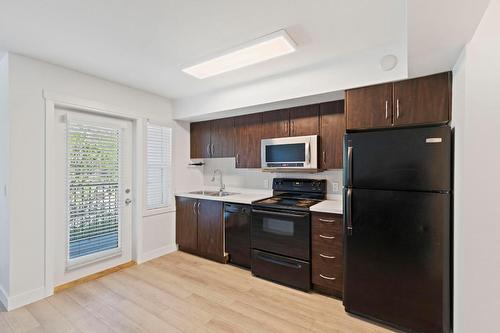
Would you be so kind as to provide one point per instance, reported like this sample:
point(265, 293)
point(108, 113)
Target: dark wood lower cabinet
point(199, 227)
point(186, 232)
point(210, 229)
point(327, 253)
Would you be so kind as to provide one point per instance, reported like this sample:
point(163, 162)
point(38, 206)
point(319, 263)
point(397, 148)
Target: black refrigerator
point(397, 227)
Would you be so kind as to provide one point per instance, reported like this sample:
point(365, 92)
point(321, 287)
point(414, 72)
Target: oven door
point(280, 232)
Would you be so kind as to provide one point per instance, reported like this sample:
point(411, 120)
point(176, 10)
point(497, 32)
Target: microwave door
point(292, 153)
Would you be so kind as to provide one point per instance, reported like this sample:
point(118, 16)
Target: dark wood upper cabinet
point(200, 139)
point(369, 107)
point(248, 134)
point(332, 129)
point(304, 120)
point(210, 229)
point(222, 137)
point(423, 100)
point(275, 124)
point(186, 231)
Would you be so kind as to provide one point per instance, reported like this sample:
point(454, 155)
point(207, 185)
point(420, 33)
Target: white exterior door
point(93, 206)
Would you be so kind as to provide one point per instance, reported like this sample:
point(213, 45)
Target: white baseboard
point(157, 253)
point(4, 299)
point(25, 298)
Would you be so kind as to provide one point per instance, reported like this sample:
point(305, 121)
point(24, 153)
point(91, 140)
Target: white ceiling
point(144, 44)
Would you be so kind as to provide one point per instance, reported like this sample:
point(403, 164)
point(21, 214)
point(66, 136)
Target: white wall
point(28, 79)
point(259, 180)
point(477, 212)
point(4, 176)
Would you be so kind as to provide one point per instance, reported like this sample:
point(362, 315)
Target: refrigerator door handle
point(349, 212)
point(349, 159)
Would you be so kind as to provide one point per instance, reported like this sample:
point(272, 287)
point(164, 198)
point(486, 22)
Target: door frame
point(53, 101)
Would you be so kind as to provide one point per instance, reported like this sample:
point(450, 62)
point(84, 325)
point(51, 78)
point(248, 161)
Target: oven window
point(278, 227)
point(294, 152)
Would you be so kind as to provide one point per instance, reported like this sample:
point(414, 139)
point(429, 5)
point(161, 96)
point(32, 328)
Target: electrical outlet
point(335, 187)
point(266, 183)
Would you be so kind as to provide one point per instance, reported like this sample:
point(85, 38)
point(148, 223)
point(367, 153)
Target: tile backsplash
point(257, 179)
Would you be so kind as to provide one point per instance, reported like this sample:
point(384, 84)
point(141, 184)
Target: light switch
point(335, 187)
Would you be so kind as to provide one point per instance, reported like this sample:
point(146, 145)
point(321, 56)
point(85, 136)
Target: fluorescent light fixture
point(264, 48)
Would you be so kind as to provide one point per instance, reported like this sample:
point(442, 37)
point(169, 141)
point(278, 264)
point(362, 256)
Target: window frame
point(170, 207)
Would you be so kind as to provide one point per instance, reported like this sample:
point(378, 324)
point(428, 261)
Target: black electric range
point(281, 229)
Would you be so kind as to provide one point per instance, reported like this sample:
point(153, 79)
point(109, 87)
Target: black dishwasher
point(237, 220)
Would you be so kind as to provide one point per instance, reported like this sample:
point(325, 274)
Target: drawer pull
point(327, 220)
point(327, 237)
point(327, 277)
point(325, 256)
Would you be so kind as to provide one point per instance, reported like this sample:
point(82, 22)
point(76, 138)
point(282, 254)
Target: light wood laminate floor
point(183, 293)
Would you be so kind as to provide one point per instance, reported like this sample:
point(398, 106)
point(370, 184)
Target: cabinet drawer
point(327, 249)
point(327, 224)
point(327, 272)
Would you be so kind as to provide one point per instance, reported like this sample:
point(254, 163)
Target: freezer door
point(404, 159)
point(397, 258)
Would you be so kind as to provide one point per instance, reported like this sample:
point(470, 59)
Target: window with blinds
point(158, 167)
point(93, 180)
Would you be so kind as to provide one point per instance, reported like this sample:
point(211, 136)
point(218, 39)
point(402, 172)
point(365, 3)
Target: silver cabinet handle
point(327, 237)
point(397, 108)
point(213, 149)
point(194, 208)
point(291, 127)
point(326, 220)
point(286, 127)
point(237, 159)
point(327, 277)
point(325, 256)
point(324, 158)
point(128, 201)
point(208, 150)
point(386, 109)
point(199, 203)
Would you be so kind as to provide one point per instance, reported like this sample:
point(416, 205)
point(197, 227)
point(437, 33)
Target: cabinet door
point(332, 129)
point(210, 229)
point(248, 135)
point(275, 124)
point(186, 223)
point(200, 139)
point(222, 137)
point(369, 107)
point(304, 120)
point(423, 100)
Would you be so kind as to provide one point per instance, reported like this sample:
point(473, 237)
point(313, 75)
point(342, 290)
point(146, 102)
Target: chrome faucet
point(222, 187)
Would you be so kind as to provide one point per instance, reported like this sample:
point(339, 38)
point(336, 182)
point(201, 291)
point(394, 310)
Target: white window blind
point(159, 167)
point(93, 178)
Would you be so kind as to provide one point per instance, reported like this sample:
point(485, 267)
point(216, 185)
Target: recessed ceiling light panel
point(267, 47)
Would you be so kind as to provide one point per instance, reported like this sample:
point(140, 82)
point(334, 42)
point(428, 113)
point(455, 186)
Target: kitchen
point(293, 236)
point(180, 168)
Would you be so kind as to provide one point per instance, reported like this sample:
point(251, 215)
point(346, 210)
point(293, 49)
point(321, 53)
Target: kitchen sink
point(213, 193)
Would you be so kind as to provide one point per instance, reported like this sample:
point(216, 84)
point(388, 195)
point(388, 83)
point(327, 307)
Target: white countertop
point(243, 196)
point(246, 196)
point(332, 206)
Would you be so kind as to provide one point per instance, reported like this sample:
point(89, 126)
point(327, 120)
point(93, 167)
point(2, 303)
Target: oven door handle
point(279, 262)
point(266, 212)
